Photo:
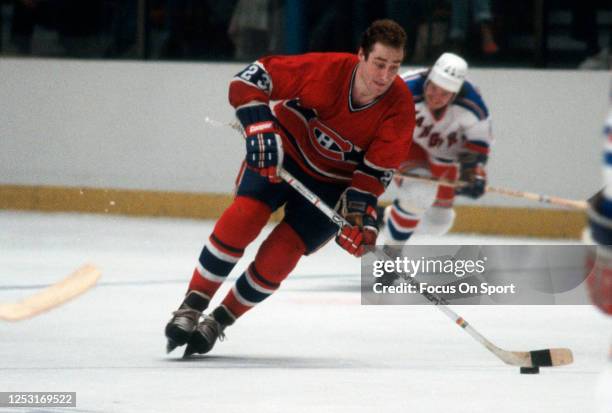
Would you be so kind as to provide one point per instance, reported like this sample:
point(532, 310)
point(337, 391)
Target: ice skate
point(185, 319)
point(205, 336)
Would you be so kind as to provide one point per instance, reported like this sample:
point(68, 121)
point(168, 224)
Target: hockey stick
point(70, 287)
point(529, 359)
point(568, 203)
point(546, 199)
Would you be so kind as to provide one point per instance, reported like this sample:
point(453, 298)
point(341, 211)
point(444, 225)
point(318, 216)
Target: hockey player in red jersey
point(342, 125)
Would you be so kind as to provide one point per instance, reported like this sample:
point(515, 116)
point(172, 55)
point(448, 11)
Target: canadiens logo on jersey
point(324, 139)
point(327, 142)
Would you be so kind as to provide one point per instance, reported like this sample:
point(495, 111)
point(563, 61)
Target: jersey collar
point(353, 108)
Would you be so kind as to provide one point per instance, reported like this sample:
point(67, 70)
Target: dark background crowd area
point(489, 33)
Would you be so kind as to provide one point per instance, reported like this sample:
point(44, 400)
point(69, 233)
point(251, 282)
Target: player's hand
point(264, 147)
point(359, 209)
point(599, 281)
point(476, 181)
point(264, 150)
point(355, 240)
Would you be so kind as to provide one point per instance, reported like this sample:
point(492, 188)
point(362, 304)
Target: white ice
point(310, 347)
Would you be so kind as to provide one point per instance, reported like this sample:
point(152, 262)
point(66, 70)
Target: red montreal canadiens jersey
point(331, 138)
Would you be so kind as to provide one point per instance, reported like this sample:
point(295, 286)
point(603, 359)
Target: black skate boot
point(185, 319)
point(208, 331)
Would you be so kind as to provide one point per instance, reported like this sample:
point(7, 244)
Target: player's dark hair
point(384, 31)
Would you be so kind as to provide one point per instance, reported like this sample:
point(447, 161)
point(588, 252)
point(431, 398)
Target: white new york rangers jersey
point(464, 125)
point(607, 169)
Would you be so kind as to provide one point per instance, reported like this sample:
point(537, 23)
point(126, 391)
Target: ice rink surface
point(310, 347)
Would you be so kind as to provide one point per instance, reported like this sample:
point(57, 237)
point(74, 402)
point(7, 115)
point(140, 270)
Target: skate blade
point(189, 351)
point(197, 345)
point(170, 346)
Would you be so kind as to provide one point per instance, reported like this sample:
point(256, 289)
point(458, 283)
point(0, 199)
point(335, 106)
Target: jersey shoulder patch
point(469, 98)
point(256, 75)
point(415, 80)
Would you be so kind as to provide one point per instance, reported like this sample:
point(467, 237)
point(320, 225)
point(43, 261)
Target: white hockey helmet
point(449, 72)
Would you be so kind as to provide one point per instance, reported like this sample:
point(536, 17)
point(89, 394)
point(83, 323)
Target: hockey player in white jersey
point(451, 141)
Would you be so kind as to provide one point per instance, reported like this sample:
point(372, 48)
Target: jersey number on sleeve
point(257, 76)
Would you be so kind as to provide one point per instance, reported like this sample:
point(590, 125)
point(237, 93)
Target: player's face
point(379, 69)
point(437, 97)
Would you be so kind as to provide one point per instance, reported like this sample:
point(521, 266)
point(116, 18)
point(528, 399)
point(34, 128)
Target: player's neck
point(439, 113)
point(360, 95)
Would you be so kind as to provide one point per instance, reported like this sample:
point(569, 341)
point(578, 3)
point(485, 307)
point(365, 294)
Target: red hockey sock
point(276, 258)
point(239, 225)
point(279, 253)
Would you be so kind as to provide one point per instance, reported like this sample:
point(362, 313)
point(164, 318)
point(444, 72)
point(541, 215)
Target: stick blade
point(555, 357)
point(552, 357)
point(70, 287)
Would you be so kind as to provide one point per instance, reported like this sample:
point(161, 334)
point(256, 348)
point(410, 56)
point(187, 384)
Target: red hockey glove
point(264, 147)
point(359, 209)
point(599, 281)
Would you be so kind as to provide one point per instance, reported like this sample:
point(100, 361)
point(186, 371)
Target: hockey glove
point(359, 209)
point(264, 147)
point(473, 173)
point(599, 281)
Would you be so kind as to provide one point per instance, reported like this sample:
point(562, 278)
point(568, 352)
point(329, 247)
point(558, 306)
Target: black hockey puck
point(530, 370)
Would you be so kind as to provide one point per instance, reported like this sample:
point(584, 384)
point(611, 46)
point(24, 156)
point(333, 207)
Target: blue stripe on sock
point(397, 234)
point(248, 292)
point(215, 265)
